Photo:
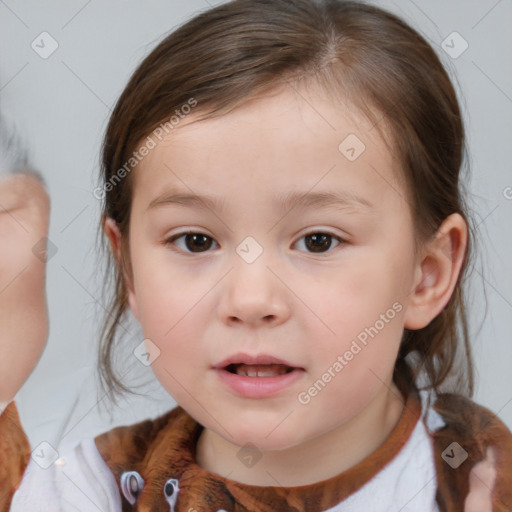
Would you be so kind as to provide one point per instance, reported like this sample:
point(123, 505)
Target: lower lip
point(258, 387)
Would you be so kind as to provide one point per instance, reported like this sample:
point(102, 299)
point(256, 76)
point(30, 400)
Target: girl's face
point(284, 262)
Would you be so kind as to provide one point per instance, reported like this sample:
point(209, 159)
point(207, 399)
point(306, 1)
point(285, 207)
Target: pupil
point(195, 237)
point(169, 489)
point(319, 238)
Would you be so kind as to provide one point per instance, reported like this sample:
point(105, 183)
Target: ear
point(114, 235)
point(437, 272)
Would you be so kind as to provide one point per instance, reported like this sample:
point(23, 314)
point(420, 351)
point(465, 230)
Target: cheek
point(170, 319)
point(163, 295)
point(350, 299)
point(169, 323)
point(352, 371)
point(359, 316)
point(170, 311)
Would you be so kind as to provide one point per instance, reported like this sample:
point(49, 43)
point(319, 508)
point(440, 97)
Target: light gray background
point(61, 104)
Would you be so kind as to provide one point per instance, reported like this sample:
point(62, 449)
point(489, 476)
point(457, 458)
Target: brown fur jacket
point(141, 457)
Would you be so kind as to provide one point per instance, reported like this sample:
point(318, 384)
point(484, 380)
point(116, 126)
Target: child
point(314, 148)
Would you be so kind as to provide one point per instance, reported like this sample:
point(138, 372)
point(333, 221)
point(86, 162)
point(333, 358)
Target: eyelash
point(170, 241)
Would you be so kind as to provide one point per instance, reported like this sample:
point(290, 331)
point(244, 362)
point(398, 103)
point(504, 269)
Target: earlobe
point(132, 301)
point(437, 273)
point(115, 238)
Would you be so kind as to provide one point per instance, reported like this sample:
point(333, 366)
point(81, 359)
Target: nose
point(254, 294)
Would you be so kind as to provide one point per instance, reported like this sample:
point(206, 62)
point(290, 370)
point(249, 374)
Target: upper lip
point(249, 359)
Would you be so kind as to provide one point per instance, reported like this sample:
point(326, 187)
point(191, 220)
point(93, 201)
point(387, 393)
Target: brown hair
point(360, 55)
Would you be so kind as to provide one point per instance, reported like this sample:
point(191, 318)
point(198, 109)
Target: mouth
point(257, 376)
point(257, 381)
point(261, 365)
point(258, 370)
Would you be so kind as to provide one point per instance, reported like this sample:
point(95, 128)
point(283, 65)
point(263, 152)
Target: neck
point(314, 460)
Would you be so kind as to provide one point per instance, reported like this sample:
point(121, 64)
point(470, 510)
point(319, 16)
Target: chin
point(259, 437)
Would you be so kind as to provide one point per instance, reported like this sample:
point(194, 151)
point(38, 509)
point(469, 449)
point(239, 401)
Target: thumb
point(481, 484)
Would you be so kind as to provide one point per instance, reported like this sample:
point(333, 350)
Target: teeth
point(260, 370)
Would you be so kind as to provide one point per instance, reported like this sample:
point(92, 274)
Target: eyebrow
point(339, 200)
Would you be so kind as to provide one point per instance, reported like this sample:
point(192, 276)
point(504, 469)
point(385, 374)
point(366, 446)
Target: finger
point(481, 483)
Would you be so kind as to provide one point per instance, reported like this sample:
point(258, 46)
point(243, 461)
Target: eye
point(319, 241)
point(192, 240)
point(171, 490)
point(131, 485)
point(316, 242)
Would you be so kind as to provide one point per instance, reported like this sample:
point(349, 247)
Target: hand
point(481, 483)
point(24, 219)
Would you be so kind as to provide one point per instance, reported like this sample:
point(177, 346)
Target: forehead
point(295, 140)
